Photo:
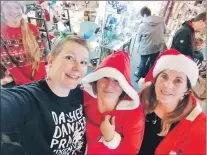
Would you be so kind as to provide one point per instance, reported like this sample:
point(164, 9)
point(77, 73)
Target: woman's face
point(170, 87)
point(12, 12)
point(109, 90)
point(69, 67)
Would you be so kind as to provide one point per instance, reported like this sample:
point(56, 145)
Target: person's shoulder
point(198, 125)
point(78, 89)
point(134, 111)
point(19, 94)
point(3, 27)
point(77, 93)
point(31, 87)
point(33, 28)
point(200, 119)
point(198, 128)
point(183, 30)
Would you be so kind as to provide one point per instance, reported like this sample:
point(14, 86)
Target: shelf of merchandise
point(120, 40)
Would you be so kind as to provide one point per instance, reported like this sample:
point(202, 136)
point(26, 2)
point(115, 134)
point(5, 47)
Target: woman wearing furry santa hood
point(175, 123)
point(115, 118)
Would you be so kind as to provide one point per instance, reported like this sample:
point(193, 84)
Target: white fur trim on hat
point(115, 74)
point(114, 143)
point(180, 63)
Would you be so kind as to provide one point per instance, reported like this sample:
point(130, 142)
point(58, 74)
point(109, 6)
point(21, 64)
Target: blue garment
point(146, 63)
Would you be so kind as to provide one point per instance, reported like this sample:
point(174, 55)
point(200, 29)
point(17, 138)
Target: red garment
point(47, 15)
point(20, 70)
point(188, 137)
point(129, 116)
point(41, 1)
point(129, 124)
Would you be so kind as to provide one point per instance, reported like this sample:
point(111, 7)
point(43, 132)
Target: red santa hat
point(173, 60)
point(116, 66)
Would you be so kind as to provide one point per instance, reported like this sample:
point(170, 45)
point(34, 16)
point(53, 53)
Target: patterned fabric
point(13, 56)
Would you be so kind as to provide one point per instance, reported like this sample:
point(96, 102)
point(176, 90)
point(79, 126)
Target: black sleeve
point(15, 107)
point(183, 43)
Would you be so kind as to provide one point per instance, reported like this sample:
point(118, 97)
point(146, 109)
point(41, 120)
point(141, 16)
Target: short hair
point(145, 11)
point(201, 16)
point(60, 41)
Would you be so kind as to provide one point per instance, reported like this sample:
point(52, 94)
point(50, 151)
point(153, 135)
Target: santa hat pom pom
point(142, 84)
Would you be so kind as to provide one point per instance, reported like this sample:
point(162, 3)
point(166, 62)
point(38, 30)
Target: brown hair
point(31, 47)
point(149, 101)
point(94, 88)
point(201, 16)
point(145, 11)
point(59, 42)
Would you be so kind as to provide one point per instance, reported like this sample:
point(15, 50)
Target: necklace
point(155, 120)
point(152, 118)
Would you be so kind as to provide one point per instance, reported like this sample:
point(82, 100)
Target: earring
point(81, 86)
point(48, 77)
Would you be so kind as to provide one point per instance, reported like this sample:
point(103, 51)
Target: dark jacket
point(183, 40)
point(35, 121)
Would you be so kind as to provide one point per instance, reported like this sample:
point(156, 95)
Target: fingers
point(107, 118)
point(110, 119)
point(113, 120)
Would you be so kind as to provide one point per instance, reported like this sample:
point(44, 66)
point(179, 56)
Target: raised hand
point(108, 128)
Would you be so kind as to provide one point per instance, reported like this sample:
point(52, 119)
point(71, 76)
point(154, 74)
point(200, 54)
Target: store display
point(182, 11)
point(117, 29)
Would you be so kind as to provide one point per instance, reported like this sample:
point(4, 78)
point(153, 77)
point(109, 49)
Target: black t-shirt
point(35, 121)
point(151, 140)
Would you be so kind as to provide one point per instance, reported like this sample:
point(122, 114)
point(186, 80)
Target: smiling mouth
point(72, 76)
point(165, 93)
point(14, 16)
point(108, 92)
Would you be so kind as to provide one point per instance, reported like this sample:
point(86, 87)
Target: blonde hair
point(60, 41)
point(31, 47)
point(183, 109)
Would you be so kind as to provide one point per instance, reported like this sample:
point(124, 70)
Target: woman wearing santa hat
point(22, 49)
point(115, 118)
point(175, 123)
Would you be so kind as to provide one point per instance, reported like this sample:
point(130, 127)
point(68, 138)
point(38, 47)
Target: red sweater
point(20, 70)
